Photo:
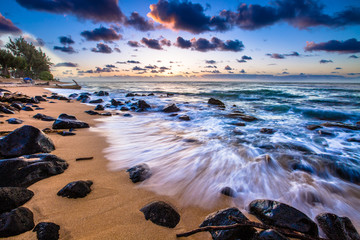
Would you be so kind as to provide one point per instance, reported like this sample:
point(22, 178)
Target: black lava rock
point(65, 121)
point(40, 98)
point(184, 118)
point(271, 234)
point(216, 102)
point(267, 130)
point(6, 110)
point(27, 108)
point(77, 189)
point(161, 214)
point(99, 107)
point(17, 106)
point(91, 112)
point(47, 231)
point(130, 95)
point(14, 121)
point(13, 197)
point(171, 108)
point(44, 117)
point(66, 133)
point(139, 173)
point(97, 101)
point(16, 221)
point(143, 105)
point(221, 218)
point(26, 170)
point(282, 215)
point(25, 140)
point(123, 108)
point(228, 191)
point(116, 103)
point(336, 227)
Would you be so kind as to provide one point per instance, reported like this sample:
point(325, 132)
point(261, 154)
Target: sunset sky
point(202, 38)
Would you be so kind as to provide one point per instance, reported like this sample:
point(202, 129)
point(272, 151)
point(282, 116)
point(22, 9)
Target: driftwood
point(242, 223)
point(84, 158)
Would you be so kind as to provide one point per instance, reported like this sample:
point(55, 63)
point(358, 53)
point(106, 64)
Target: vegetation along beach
point(180, 119)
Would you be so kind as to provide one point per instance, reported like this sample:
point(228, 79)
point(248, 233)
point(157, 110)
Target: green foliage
point(46, 75)
point(27, 60)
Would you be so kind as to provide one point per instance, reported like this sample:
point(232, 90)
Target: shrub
point(45, 75)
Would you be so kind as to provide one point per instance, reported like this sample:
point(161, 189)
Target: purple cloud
point(66, 64)
point(102, 33)
point(133, 44)
point(155, 44)
point(66, 40)
point(323, 61)
point(139, 22)
point(204, 45)
point(348, 46)
point(182, 43)
point(65, 49)
point(7, 26)
point(102, 48)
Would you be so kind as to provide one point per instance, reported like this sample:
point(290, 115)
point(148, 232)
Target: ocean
point(314, 171)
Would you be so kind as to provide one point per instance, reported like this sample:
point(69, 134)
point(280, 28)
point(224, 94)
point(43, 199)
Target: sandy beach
point(111, 210)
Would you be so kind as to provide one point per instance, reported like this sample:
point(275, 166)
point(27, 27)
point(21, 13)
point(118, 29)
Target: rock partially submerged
point(26, 170)
point(13, 197)
point(65, 121)
point(336, 227)
point(228, 191)
point(47, 231)
point(16, 221)
point(77, 189)
point(282, 215)
point(221, 218)
point(25, 140)
point(139, 173)
point(216, 102)
point(161, 214)
point(341, 125)
point(171, 108)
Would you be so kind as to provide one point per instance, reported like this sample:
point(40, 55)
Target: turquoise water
point(193, 160)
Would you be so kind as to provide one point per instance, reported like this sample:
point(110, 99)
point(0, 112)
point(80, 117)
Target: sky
point(197, 38)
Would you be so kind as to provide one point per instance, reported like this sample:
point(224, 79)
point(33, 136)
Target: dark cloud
point(154, 71)
point(338, 68)
point(276, 55)
point(98, 11)
point(66, 40)
point(227, 67)
point(102, 33)
point(182, 43)
point(210, 61)
point(139, 22)
point(65, 49)
point(133, 44)
point(136, 68)
point(215, 71)
point(285, 73)
point(180, 15)
point(117, 50)
point(204, 45)
point(164, 68)
point(353, 74)
point(246, 57)
point(151, 67)
point(165, 42)
point(210, 66)
point(154, 43)
point(133, 61)
point(102, 48)
point(101, 70)
point(110, 66)
point(7, 26)
point(348, 46)
point(66, 64)
point(87, 71)
point(118, 62)
point(353, 56)
point(242, 71)
point(40, 42)
point(293, 54)
point(325, 61)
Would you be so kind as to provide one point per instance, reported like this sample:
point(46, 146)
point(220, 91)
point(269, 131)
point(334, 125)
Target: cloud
point(110, 66)
point(117, 50)
point(151, 67)
point(102, 33)
point(182, 43)
point(348, 46)
point(102, 48)
point(98, 11)
point(7, 26)
point(210, 61)
point(164, 68)
point(325, 61)
point(133, 61)
point(242, 71)
point(136, 68)
point(133, 44)
point(154, 43)
point(101, 70)
point(139, 22)
point(210, 66)
point(353, 56)
point(66, 64)
point(246, 57)
point(227, 67)
point(283, 56)
point(180, 15)
point(338, 68)
point(66, 40)
point(65, 49)
point(284, 73)
point(204, 45)
point(87, 71)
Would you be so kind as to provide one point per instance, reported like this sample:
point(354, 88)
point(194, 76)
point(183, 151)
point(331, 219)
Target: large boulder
point(282, 215)
point(336, 227)
point(16, 221)
point(26, 170)
point(161, 214)
point(65, 121)
point(13, 197)
point(43, 117)
point(216, 102)
point(171, 108)
point(25, 140)
point(77, 189)
point(221, 218)
point(143, 105)
point(139, 173)
point(47, 231)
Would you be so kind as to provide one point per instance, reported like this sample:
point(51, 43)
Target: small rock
point(325, 133)
point(13, 197)
point(143, 105)
point(271, 234)
point(161, 214)
point(66, 133)
point(101, 93)
point(62, 98)
point(130, 95)
point(267, 130)
point(44, 117)
point(341, 125)
point(313, 127)
point(139, 173)
point(243, 116)
point(106, 114)
point(282, 215)
point(39, 108)
point(97, 101)
point(184, 118)
point(228, 191)
point(16, 221)
point(40, 98)
point(116, 103)
point(123, 108)
point(221, 218)
point(99, 107)
point(17, 106)
point(91, 112)
point(239, 124)
point(47, 231)
point(216, 102)
point(336, 227)
point(14, 121)
point(65, 121)
point(6, 110)
point(25, 140)
point(127, 115)
point(77, 189)
point(73, 95)
point(171, 108)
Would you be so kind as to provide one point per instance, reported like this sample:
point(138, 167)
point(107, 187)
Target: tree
point(6, 61)
point(36, 60)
